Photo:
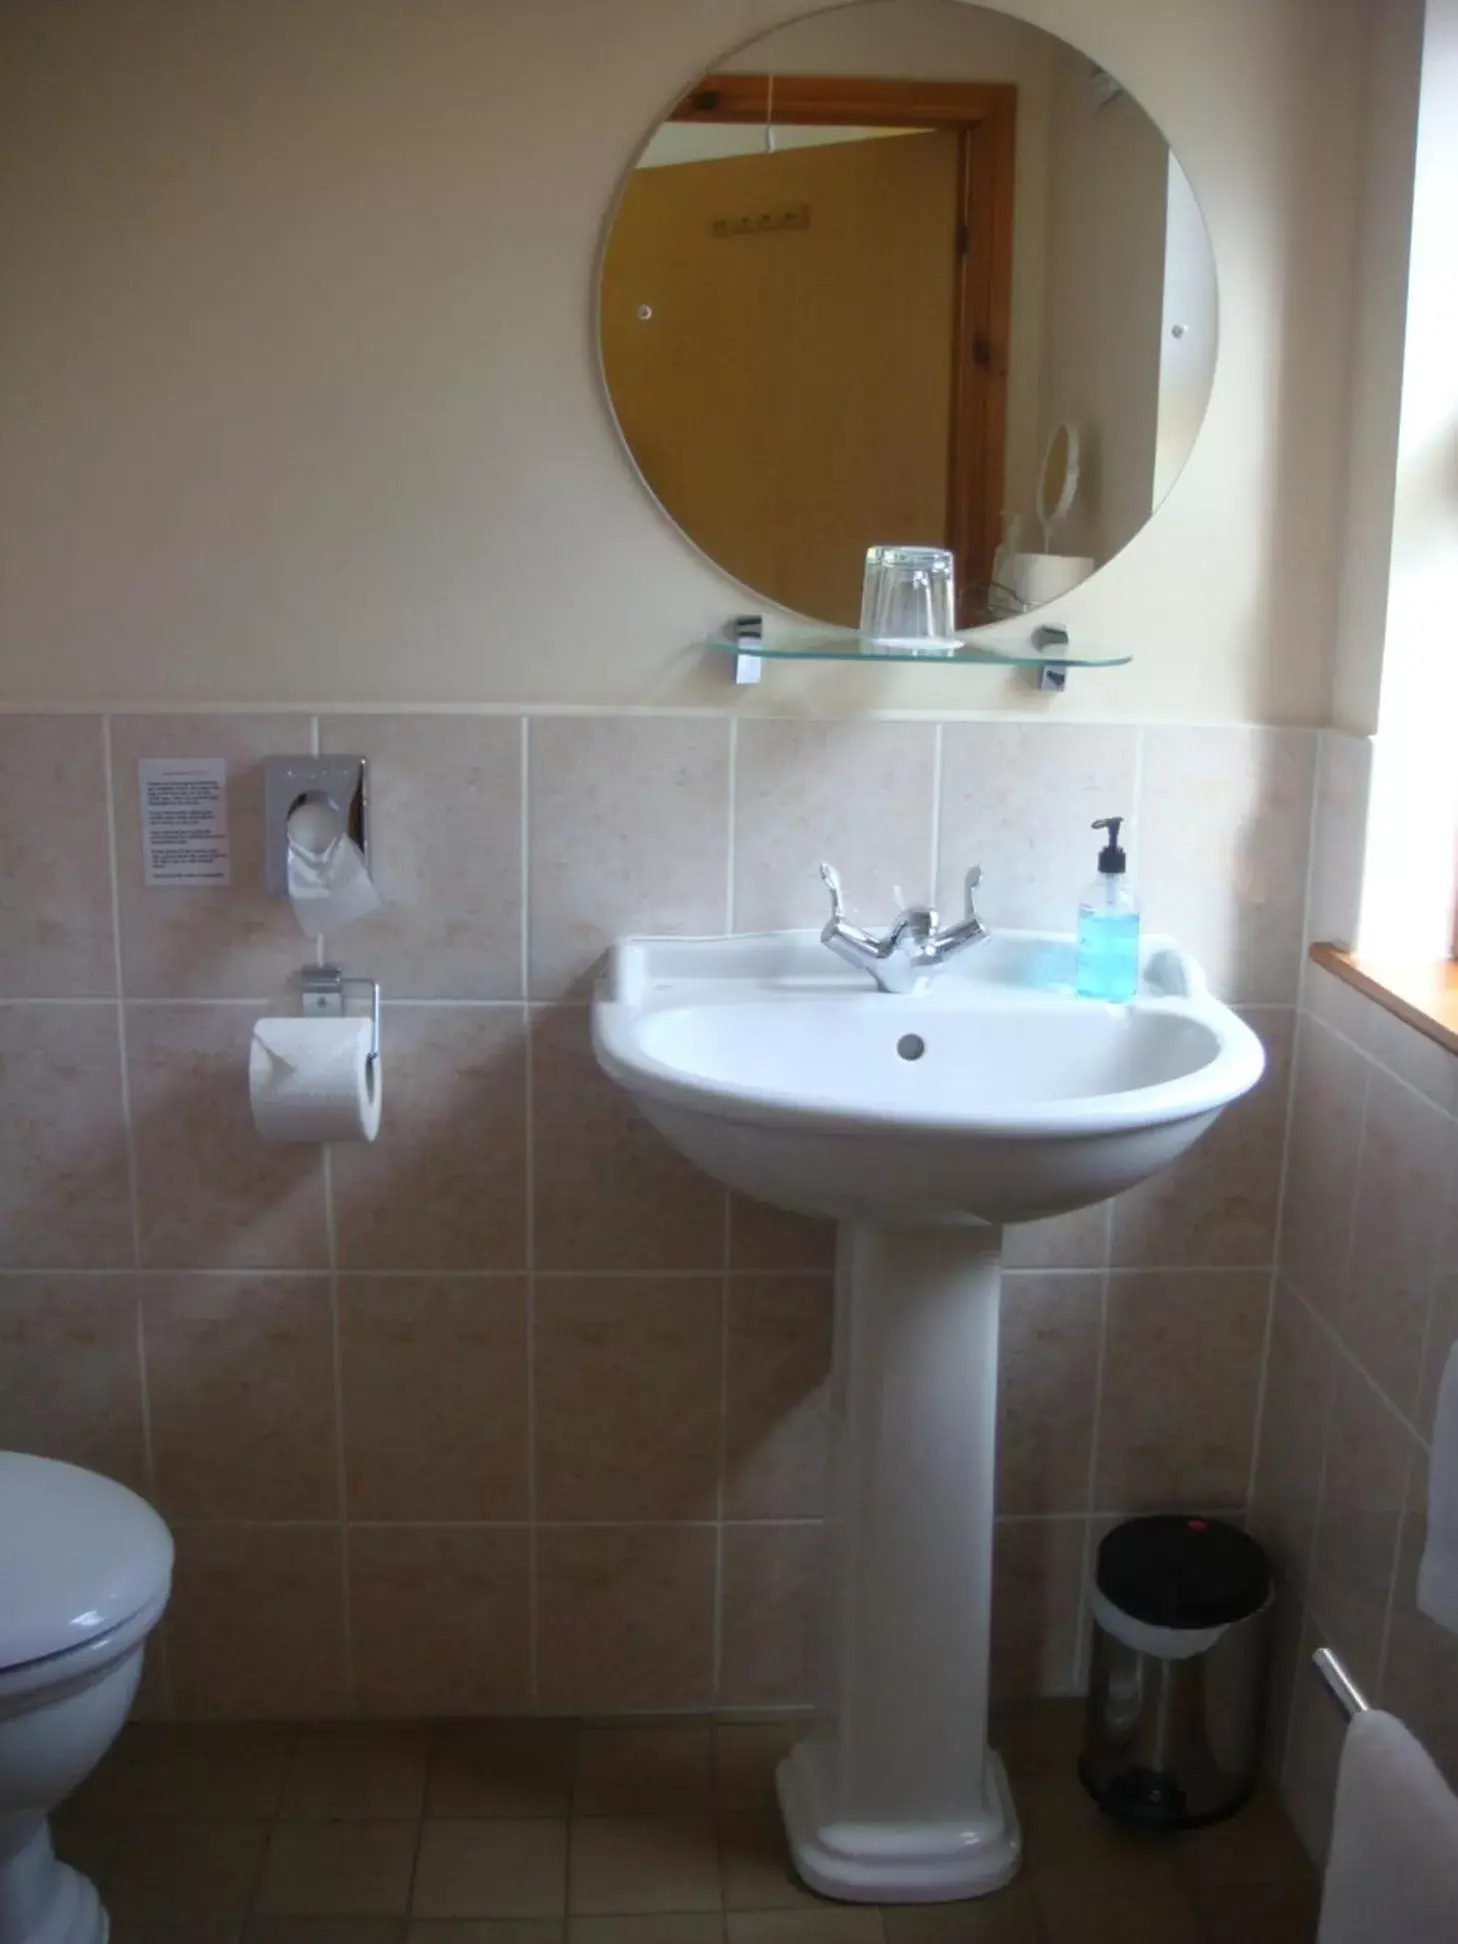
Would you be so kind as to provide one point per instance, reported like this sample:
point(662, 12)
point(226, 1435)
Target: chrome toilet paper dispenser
point(336, 783)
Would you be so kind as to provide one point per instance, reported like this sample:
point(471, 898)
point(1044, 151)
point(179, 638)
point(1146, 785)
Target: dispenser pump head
point(1112, 861)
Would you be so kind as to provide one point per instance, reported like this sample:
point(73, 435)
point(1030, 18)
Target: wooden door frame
point(984, 114)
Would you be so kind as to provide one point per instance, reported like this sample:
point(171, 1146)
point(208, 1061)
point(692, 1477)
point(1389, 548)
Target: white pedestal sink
point(921, 1124)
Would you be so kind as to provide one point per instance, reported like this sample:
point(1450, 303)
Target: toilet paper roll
point(313, 1080)
point(1040, 577)
point(329, 885)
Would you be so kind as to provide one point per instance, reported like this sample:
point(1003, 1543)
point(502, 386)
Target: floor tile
point(487, 1930)
point(182, 1930)
point(1256, 1845)
point(1150, 1914)
point(1008, 1917)
point(746, 1755)
point(754, 1861)
point(837, 1924)
point(493, 1769)
point(491, 1869)
point(356, 1774)
point(1258, 1913)
point(677, 1927)
point(338, 1869)
point(326, 1930)
point(1066, 1836)
point(186, 1869)
point(178, 1772)
point(640, 1771)
point(624, 1864)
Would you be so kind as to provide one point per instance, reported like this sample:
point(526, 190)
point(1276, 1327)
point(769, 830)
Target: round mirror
point(908, 273)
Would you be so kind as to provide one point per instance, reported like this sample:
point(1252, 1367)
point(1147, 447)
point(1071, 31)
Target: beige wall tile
point(55, 861)
point(627, 1396)
point(1216, 1206)
point(240, 1382)
point(491, 1869)
point(610, 1192)
point(1037, 1588)
point(1048, 1358)
point(444, 1184)
point(625, 1616)
point(629, 823)
point(858, 794)
point(778, 1398)
point(1181, 1368)
point(205, 941)
point(1225, 817)
point(1343, 777)
point(1018, 799)
point(318, 1869)
point(764, 1237)
point(65, 1201)
point(445, 853)
point(1364, 1489)
point(255, 1628)
point(434, 1376)
point(1420, 1670)
point(1076, 1241)
point(213, 1195)
point(774, 1577)
point(439, 1619)
point(1300, 1379)
point(1443, 1325)
point(1313, 1751)
point(70, 1374)
point(1321, 1170)
point(1398, 1231)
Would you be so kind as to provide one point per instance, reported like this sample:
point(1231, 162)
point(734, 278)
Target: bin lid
point(1179, 1570)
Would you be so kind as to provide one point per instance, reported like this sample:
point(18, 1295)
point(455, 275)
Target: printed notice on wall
point(184, 819)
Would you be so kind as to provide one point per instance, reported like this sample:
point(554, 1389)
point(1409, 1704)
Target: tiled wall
point(515, 1408)
point(1366, 1311)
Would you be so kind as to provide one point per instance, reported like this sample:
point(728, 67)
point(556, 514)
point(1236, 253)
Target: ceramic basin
point(920, 1124)
point(995, 1096)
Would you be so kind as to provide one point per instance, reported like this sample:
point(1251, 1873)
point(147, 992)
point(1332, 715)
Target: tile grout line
point(533, 1598)
point(1279, 1228)
point(732, 814)
point(1095, 1436)
point(129, 1142)
point(1390, 1599)
point(331, 1245)
point(717, 1644)
point(938, 744)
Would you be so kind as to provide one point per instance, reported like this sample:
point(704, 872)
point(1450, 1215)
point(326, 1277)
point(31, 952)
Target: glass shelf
point(967, 654)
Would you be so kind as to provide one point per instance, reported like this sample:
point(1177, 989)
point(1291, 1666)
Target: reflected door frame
point(984, 113)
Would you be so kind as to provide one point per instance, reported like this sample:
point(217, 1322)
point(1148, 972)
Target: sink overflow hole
point(911, 1046)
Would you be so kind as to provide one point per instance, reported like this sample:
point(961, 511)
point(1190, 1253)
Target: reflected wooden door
point(789, 397)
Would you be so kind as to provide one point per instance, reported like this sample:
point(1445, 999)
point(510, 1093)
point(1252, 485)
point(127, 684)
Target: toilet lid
point(79, 1554)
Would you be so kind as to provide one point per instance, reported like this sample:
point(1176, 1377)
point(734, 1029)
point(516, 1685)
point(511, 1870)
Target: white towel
point(1392, 1877)
point(1437, 1587)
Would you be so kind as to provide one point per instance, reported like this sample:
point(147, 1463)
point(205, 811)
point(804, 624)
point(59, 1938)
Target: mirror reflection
point(845, 306)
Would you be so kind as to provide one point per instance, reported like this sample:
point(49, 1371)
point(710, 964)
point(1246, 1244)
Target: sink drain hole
point(911, 1046)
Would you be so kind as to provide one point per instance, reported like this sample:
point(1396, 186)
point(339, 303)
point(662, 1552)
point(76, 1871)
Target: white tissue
point(1437, 1587)
point(328, 883)
point(313, 1080)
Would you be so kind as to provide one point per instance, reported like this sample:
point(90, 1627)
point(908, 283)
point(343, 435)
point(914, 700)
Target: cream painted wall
point(301, 402)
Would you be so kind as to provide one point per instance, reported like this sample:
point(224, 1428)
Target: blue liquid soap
point(1106, 959)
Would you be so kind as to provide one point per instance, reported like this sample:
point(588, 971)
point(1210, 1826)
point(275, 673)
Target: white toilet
point(85, 1570)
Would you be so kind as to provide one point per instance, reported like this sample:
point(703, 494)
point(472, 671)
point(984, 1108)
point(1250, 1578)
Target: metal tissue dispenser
point(316, 839)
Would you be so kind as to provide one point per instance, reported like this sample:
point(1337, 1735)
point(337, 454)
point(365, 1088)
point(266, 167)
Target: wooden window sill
point(1424, 996)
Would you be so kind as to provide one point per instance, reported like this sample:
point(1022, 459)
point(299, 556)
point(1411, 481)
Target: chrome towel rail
point(1348, 1696)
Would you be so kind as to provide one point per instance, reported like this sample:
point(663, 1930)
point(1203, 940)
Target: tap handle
point(830, 878)
point(970, 884)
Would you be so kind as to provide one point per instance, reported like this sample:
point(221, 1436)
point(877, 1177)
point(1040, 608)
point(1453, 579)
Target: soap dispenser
point(1106, 963)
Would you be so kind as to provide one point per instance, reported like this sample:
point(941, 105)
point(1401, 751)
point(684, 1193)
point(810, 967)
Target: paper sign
point(184, 819)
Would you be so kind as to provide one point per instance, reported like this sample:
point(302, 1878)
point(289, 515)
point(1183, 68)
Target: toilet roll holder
point(322, 996)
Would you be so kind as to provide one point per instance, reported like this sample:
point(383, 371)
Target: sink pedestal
point(895, 1796)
